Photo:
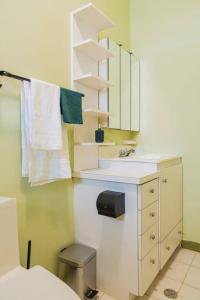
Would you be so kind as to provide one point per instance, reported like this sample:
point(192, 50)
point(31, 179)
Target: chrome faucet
point(126, 152)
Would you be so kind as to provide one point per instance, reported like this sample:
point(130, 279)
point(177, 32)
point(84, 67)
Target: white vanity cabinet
point(127, 247)
point(170, 204)
point(170, 195)
point(148, 234)
point(170, 211)
point(170, 198)
point(132, 249)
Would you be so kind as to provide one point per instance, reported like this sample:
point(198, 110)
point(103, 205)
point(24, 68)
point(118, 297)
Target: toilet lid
point(35, 284)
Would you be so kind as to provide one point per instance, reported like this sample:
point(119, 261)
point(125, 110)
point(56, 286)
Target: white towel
point(25, 126)
point(49, 166)
point(41, 166)
point(46, 131)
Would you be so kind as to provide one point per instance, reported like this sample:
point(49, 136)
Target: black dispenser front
point(111, 204)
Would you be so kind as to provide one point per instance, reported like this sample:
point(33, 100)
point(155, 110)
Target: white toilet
point(16, 282)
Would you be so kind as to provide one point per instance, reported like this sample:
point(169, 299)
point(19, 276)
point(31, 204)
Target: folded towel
point(41, 166)
point(46, 133)
point(71, 106)
point(49, 166)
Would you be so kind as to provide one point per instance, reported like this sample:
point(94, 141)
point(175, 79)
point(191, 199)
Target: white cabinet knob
point(152, 261)
point(152, 214)
point(168, 248)
point(153, 237)
point(165, 180)
point(152, 191)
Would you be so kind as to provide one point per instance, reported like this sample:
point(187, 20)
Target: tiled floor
point(182, 274)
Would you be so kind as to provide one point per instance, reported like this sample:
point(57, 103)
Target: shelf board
point(93, 17)
point(94, 82)
point(96, 112)
point(93, 49)
point(97, 144)
point(129, 142)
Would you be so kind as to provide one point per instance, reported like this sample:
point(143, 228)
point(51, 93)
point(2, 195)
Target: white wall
point(166, 36)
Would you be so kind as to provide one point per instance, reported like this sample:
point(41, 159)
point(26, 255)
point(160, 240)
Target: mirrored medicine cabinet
point(122, 99)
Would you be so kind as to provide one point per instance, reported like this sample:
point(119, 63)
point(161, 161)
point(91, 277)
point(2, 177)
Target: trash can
point(77, 267)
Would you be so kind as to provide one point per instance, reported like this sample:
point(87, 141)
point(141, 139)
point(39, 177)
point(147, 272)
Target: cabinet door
point(125, 90)
point(170, 199)
point(114, 90)
point(135, 94)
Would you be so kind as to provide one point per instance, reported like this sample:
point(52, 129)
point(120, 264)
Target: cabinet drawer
point(147, 217)
point(171, 242)
point(148, 240)
point(147, 193)
point(148, 268)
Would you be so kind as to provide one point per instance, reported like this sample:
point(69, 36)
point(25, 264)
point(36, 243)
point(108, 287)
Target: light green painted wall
point(165, 34)
point(34, 42)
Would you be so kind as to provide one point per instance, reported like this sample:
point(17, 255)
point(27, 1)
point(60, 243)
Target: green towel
point(71, 106)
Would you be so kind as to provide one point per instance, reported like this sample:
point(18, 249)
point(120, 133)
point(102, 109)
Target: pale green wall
point(34, 42)
point(165, 35)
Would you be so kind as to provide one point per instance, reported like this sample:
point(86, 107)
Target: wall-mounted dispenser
point(111, 204)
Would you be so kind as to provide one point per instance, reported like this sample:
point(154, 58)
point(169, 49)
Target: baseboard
point(191, 245)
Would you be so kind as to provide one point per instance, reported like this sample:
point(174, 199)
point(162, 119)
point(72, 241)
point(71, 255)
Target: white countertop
point(134, 177)
point(151, 158)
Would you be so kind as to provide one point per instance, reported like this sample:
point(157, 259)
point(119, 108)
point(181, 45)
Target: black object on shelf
point(99, 136)
point(111, 204)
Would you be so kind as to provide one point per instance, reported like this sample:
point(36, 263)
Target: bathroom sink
point(144, 162)
point(155, 158)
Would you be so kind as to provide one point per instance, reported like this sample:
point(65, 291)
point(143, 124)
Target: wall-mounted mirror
point(122, 100)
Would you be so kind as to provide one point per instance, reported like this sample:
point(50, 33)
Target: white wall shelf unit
point(129, 142)
point(92, 16)
point(93, 82)
point(97, 144)
point(86, 53)
point(93, 49)
point(96, 112)
point(101, 115)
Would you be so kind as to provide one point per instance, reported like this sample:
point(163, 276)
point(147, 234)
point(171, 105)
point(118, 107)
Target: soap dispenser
point(99, 135)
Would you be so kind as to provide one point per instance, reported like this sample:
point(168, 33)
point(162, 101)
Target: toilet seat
point(34, 284)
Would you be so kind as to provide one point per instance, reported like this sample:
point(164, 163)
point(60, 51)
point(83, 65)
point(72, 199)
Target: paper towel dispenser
point(111, 204)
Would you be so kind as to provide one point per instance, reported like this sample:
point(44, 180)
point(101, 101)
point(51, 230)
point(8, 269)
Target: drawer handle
point(152, 214)
point(180, 232)
point(165, 180)
point(152, 261)
point(152, 191)
point(168, 248)
point(153, 237)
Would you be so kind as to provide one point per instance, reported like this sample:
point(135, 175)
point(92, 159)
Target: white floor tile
point(184, 269)
point(157, 289)
point(176, 271)
point(196, 261)
point(193, 278)
point(146, 298)
point(188, 293)
point(185, 256)
point(100, 294)
point(106, 297)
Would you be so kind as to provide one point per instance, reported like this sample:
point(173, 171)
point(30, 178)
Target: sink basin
point(146, 158)
point(146, 162)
